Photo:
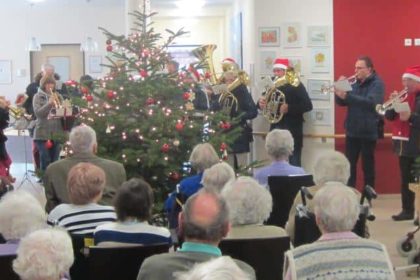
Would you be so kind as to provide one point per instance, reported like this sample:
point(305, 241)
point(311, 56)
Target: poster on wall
point(269, 36)
point(318, 36)
point(5, 71)
point(320, 117)
point(318, 89)
point(292, 35)
point(320, 60)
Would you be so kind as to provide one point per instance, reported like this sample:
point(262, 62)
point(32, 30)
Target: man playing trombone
point(362, 120)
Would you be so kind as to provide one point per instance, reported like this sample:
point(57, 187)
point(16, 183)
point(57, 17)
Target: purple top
point(8, 249)
point(277, 168)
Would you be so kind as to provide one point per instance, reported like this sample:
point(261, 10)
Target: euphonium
point(227, 99)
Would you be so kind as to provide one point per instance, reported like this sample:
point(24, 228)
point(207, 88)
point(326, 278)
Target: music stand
point(26, 176)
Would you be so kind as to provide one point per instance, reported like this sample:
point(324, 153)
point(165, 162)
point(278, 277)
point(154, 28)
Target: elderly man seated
point(279, 145)
point(339, 253)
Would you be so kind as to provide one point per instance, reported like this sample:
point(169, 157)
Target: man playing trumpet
point(362, 121)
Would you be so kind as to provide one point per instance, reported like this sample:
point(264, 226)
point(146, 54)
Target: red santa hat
point(229, 60)
point(282, 63)
point(412, 72)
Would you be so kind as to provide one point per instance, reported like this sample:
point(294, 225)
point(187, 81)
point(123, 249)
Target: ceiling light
point(190, 4)
point(89, 45)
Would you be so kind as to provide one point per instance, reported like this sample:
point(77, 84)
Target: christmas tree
point(145, 117)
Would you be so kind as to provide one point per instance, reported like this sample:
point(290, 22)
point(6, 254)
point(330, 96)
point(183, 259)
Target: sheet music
point(343, 85)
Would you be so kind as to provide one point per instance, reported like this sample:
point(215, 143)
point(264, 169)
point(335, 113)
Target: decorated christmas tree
point(145, 117)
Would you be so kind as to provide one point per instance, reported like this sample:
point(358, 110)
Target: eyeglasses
point(360, 67)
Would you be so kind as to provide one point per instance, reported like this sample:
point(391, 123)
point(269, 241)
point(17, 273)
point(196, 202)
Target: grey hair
point(217, 176)
point(20, 214)
point(336, 208)
point(331, 166)
point(44, 254)
point(248, 202)
point(82, 139)
point(47, 66)
point(213, 232)
point(222, 268)
point(203, 156)
point(279, 143)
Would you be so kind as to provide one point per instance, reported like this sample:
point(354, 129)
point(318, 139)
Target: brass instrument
point(275, 97)
point(57, 99)
point(388, 105)
point(16, 112)
point(205, 53)
point(227, 99)
point(327, 89)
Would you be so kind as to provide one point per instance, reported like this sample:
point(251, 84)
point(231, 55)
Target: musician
point(6, 179)
point(405, 138)
point(297, 103)
point(47, 129)
point(362, 120)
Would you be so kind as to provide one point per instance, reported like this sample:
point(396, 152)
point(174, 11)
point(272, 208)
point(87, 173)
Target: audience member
point(20, 214)
point(203, 222)
point(133, 204)
point(216, 177)
point(83, 143)
point(279, 145)
point(45, 254)
point(249, 206)
point(85, 184)
point(339, 253)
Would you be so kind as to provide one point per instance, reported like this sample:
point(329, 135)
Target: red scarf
point(401, 129)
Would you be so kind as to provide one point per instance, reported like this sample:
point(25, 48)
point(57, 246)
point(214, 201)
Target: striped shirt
point(81, 219)
point(131, 233)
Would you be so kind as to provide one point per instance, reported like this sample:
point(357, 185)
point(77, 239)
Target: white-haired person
point(222, 268)
point(279, 145)
point(85, 184)
point(338, 253)
point(20, 214)
point(249, 205)
point(217, 176)
point(45, 254)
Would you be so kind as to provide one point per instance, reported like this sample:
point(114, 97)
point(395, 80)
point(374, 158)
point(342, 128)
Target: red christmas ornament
point(165, 148)
point(179, 126)
point(227, 125)
point(150, 101)
point(89, 98)
point(84, 90)
point(143, 73)
point(174, 176)
point(109, 48)
point(186, 95)
point(223, 147)
point(110, 94)
point(108, 42)
point(145, 53)
point(49, 144)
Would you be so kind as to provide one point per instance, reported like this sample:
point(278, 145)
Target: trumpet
point(388, 105)
point(327, 89)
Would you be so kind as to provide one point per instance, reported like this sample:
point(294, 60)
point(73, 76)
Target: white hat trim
point(279, 65)
point(411, 76)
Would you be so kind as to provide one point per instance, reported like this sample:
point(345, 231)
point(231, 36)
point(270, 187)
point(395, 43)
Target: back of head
point(248, 202)
point(20, 214)
point(217, 176)
point(134, 199)
point(336, 208)
point(279, 143)
point(205, 217)
point(44, 254)
point(82, 139)
point(331, 166)
point(203, 156)
point(47, 68)
point(87, 81)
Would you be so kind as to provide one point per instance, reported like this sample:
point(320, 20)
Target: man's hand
point(404, 116)
point(262, 102)
point(284, 108)
point(341, 94)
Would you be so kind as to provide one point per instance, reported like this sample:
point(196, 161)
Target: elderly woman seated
point(339, 253)
point(133, 204)
point(20, 214)
point(85, 184)
point(217, 176)
point(279, 146)
point(45, 254)
point(249, 206)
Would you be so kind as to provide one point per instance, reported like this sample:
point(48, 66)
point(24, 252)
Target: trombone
point(388, 105)
point(327, 89)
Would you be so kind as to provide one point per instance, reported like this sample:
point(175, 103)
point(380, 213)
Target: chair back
point(6, 269)
point(265, 255)
point(81, 243)
point(283, 190)
point(120, 262)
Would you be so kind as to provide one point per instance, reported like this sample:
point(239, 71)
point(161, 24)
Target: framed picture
point(266, 62)
point(269, 36)
point(5, 71)
point(318, 36)
point(95, 62)
point(320, 60)
point(61, 65)
point(292, 37)
point(320, 117)
point(182, 54)
point(314, 88)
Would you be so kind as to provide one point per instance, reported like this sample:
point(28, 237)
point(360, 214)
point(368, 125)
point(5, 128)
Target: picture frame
point(5, 71)
point(95, 62)
point(296, 63)
point(320, 60)
point(266, 62)
point(183, 54)
point(269, 36)
point(292, 37)
point(318, 36)
point(320, 117)
point(314, 89)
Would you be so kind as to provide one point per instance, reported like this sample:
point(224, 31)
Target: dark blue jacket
point(362, 119)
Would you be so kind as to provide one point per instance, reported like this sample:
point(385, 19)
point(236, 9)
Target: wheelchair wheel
point(406, 246)
point(414, 257)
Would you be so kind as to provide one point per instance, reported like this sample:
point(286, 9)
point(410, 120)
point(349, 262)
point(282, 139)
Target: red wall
point(376, 28)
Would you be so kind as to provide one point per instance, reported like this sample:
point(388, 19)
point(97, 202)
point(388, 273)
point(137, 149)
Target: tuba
point(275, 97)
point(205, 53)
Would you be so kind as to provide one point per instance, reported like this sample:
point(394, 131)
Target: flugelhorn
point(388, 105)
point(327, 89)
point(56, 98)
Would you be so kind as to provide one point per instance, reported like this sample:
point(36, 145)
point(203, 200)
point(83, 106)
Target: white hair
point(221, 268)
point(331, 166)
point(336, 208)
point(46, 66)
point(20, 214)
point(82, 139)
point(217, 176)
point(279, 143)
point(248, 202)
point(203, 156)
point(44, 254)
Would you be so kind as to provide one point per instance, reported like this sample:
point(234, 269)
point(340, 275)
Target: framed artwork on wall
point(269, 36)
point(318, 36)
point(296, 63)
point(292, 37)
point(266, 62)
point(314, 89)
point(95, 62)
point(320, 117)
point(5, 71)
point(320, 60)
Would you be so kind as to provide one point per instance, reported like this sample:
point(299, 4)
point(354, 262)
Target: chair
point(120, 262)
point(6, 270)
point(283, 190)
point(265, 255)
point(81, 243)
